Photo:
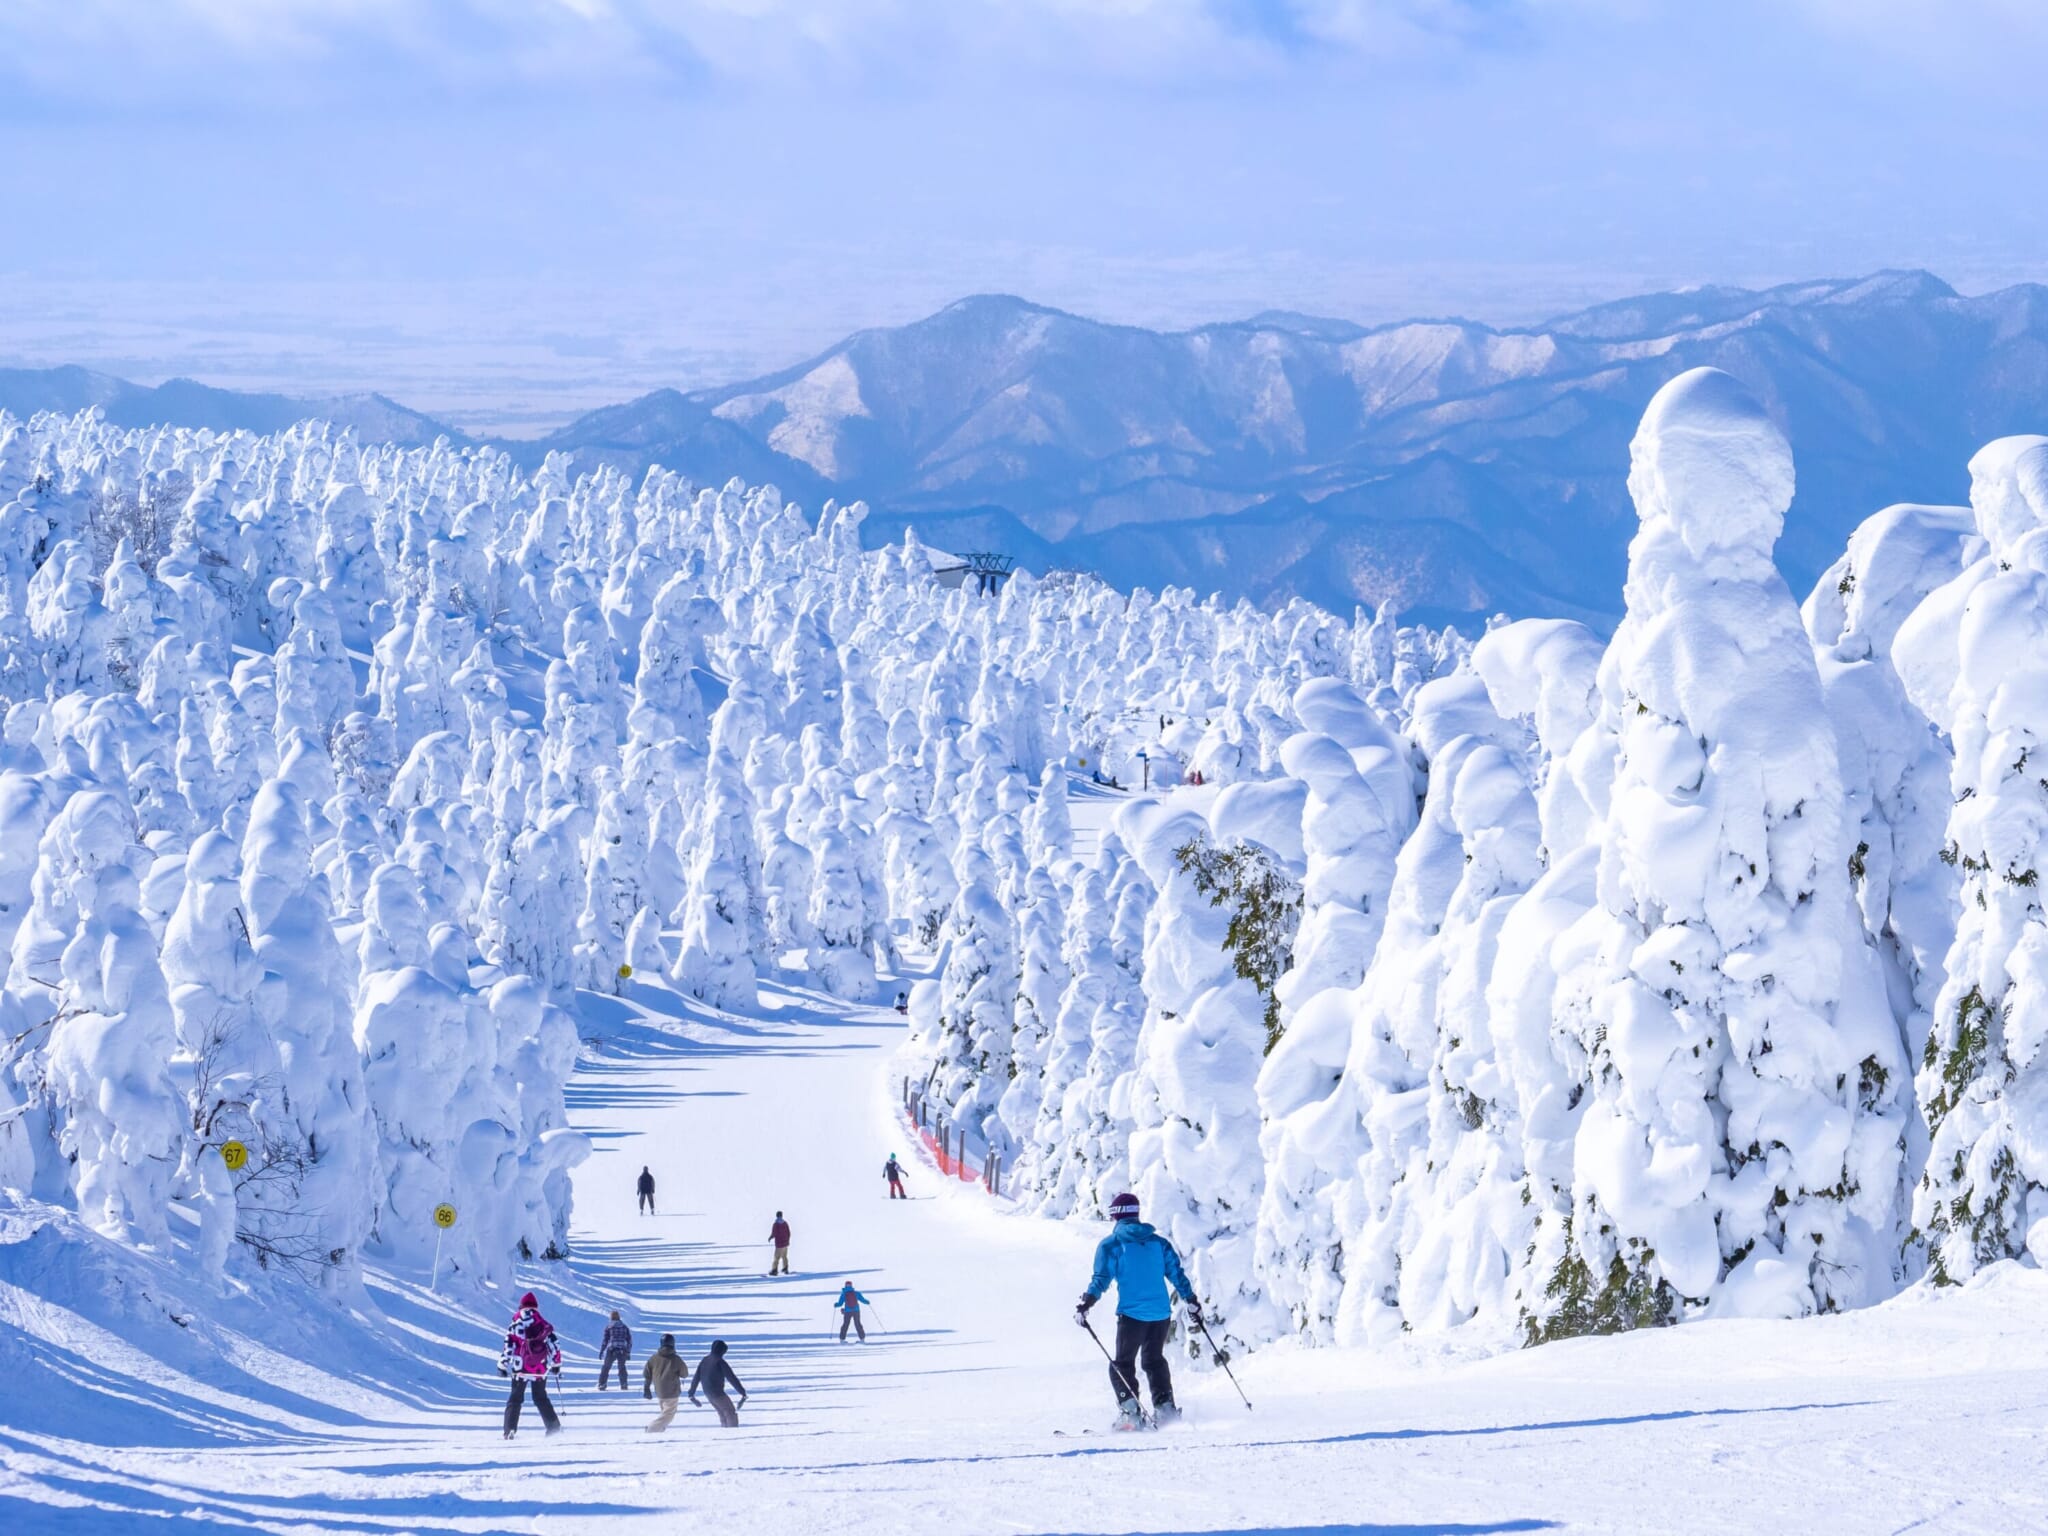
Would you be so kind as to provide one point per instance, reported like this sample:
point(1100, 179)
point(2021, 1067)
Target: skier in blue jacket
point(1143, 1264)
point(850, 1303)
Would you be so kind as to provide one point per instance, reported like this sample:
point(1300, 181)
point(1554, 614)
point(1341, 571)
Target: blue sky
point(472, 195)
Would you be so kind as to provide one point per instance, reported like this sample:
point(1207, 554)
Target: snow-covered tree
point(1743, 1123)
point(1194, 1141)
point(1971, 660)
point(722, 940)
point(107, 1064)
point(841, 958)
point(977, 1000)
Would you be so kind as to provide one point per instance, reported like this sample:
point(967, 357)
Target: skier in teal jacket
point(850, 1303)
point(1142, 1264)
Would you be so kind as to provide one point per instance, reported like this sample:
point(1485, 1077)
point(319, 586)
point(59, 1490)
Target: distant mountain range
point(1453, 468)
point(182, 403)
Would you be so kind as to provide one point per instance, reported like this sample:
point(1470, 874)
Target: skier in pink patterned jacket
point(531, 1352)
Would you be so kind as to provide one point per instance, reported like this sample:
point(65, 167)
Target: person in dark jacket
point(531, 1352)
point(850, 1302)
point(616, 1348)
point(893, 1172)
point(1141, 1264)
point(714, 1372)
point(646, 1187)
point(661, 1380)
point(778, 1236)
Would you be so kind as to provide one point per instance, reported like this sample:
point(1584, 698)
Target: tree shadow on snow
point(118, 1506)
point(1122, 1446)
point(670, 1025)
point(599, 1467)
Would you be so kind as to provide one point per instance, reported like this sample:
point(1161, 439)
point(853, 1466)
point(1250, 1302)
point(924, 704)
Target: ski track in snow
point(961, 1413)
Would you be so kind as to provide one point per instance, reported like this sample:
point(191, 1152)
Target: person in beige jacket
point(662, 1379)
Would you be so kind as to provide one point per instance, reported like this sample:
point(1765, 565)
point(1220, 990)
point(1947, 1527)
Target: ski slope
point(971, 1409)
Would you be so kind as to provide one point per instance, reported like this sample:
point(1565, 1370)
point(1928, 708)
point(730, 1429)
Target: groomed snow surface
point(976, 1406)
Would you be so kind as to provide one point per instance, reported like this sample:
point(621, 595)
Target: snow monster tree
point(1743, 1094)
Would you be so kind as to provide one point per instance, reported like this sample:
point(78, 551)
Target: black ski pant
point(851, 1320)
point(728, 1416)
point(604, 1374)
point(541, 1404)
point(646, 1203)
point(1137, 1341)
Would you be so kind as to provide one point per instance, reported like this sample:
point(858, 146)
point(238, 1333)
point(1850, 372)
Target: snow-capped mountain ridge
point(188, 403)
point(1452, 467)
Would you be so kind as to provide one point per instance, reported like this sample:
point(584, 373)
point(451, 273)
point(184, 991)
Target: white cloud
point(196, 48)
point(193, 49)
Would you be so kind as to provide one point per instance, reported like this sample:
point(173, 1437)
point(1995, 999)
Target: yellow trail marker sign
point(235, 1155)
point(444, 1216)
point(625, 973)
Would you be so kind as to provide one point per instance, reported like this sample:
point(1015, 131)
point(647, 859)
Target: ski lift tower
point(988, 571)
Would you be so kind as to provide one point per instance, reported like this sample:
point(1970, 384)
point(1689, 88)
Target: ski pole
point(1222, 1357)
point(1118, 1371)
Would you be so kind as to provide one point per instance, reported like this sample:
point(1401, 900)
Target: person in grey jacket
point(616, 1348)
point(661, 1380)
point(714, 1371)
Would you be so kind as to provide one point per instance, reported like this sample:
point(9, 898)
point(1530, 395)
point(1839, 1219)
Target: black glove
point(693, 1401)
point(648, 1393)
point(1081, 1312)
point(1195, 1313)
point(501, 1370)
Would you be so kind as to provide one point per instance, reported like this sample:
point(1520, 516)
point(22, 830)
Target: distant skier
point(661, 1379)
point(850, 1303)
point(893, 1172)
point(531, 1352)
point(713, 1372)
point(778, 1235)
point(646, 1187)
point(1142, 1263)
point(616, 1348)
point(903, 1002)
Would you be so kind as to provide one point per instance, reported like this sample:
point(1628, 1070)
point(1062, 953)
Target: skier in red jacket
point(779, 1236)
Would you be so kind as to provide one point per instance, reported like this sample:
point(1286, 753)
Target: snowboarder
point(713, 1372)
point(616, 1348)
point(893, 1172)
point(646, 1192)
point(850, 1302)
point(661, 1380)
point(778, 1235)
point(1142, 1263)
point(903, 1002)
point(531, 1352)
